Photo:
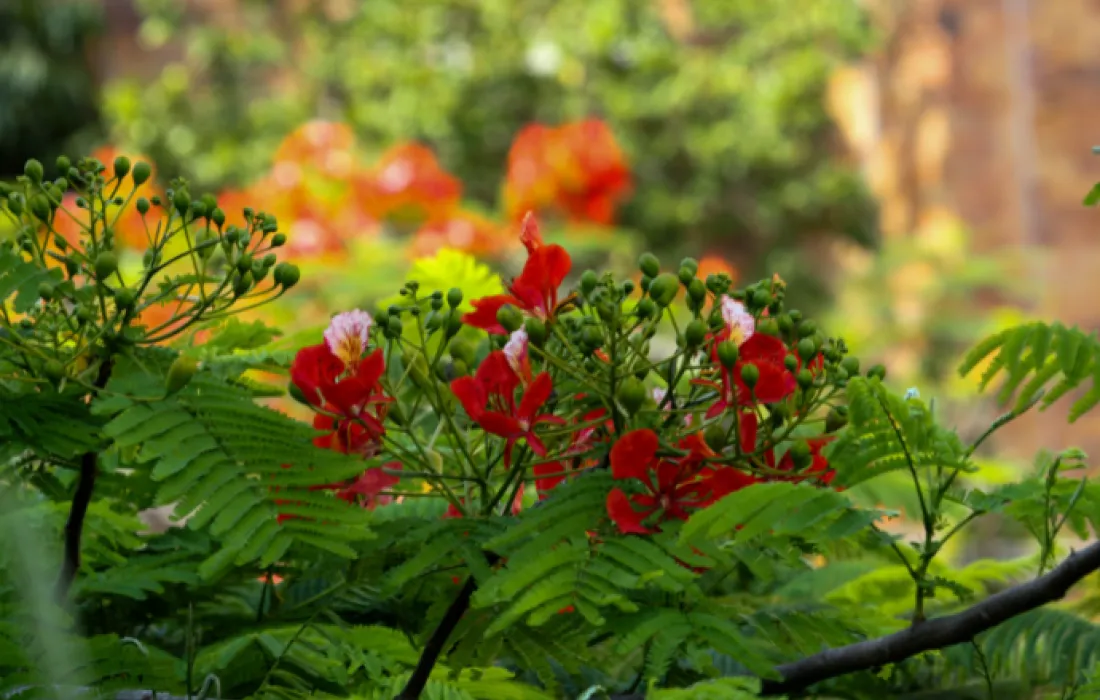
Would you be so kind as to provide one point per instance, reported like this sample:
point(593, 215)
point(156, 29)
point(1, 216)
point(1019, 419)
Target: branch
point(438, 641)
point(74, 526)
point(938, 633)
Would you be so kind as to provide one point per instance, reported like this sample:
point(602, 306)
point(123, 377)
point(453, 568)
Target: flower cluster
point(553, 383)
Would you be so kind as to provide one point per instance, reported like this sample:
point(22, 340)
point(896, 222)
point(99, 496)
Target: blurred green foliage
point(721, 110)
point(48, 98)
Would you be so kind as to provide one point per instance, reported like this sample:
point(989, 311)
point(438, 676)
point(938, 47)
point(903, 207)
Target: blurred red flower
point(576, 169)
point(409, 185)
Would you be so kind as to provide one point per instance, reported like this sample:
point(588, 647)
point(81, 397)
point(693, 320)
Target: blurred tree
point(719, 103)
point(47, 92)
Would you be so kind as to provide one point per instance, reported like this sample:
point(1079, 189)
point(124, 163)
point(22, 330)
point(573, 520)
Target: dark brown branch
point(438, 641)
point(85, 487)
point(938, 633)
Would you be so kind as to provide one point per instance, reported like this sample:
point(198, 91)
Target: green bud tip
point(142, 172)
point(122, 166)
point(727, 354)
point(33, 170)
point(649, 265)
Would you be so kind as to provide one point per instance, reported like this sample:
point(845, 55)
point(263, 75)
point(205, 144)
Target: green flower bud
point(180, 373)
point(761, 298)
point(806, 349)
point(278, 239)
point(122, 166)
point(589, 280)
point(53, 370)
point(649, 265)
point(834, 421)
point(685, 275)
point(218, 217)
point(715, 437)
point(645, 309)
point(105, 265)
point(454, 323)
point(85, 314)
point(142, 172)
point(269, 260)
point(631, 395)
point(181, 201)
point(243, 284)
point(790, 362)
point(63, 164)
point(727, 354)
point(536, 331)
point(15, 203)
point(591, 337)
point(807, 328)
point(510, 318)
point(244, 262)
point(142, 206)
point(454, 297)
point(125, 297)
point(287, 274)
point(664, 289)
point(786, 325)
point(805, 378)
point(878, 371)
point(767, 326)
point(71, 266)
point(628, 288)
point(645, 283)
point(690, 263)
point(850, 365)
point(33, 170)
point(800, 455)
point(394, 326)
point(697, 290)
point(39, 205)
point(46, 291)
point(198, 209)
point(750, 374)
point(695, 333)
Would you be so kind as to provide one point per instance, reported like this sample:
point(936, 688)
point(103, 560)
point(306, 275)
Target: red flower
point(675, 491)
point(369, 486)
point(489, 400)
point(774, 384)
point(535, 291)
point(409, 184)
point(350, 399)
point(577, 169)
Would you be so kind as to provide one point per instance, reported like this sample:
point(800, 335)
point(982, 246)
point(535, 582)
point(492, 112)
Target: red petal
point(749, 427)
point(471, 394)
point(726, 480)
point(763, 347)
point(497, 376)
point(370, 369)
point(633, 454)
point(535, 396)
point(623, 515)
point(484, 315)
point(500, 424)
point(545, 483)
point(536, 444)
point(314, 371)
point(529, 233)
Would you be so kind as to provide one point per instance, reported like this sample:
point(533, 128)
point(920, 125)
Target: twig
point(438, 641)
point(938, 633)
point(74, 526)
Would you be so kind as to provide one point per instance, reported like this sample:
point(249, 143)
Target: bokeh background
point(913, 168)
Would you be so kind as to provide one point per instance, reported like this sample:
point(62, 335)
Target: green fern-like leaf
point(1033, 356)
point(887, 433)
point(234, 467)
point(21, 278)
point(776, 508)
point(53, 425)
